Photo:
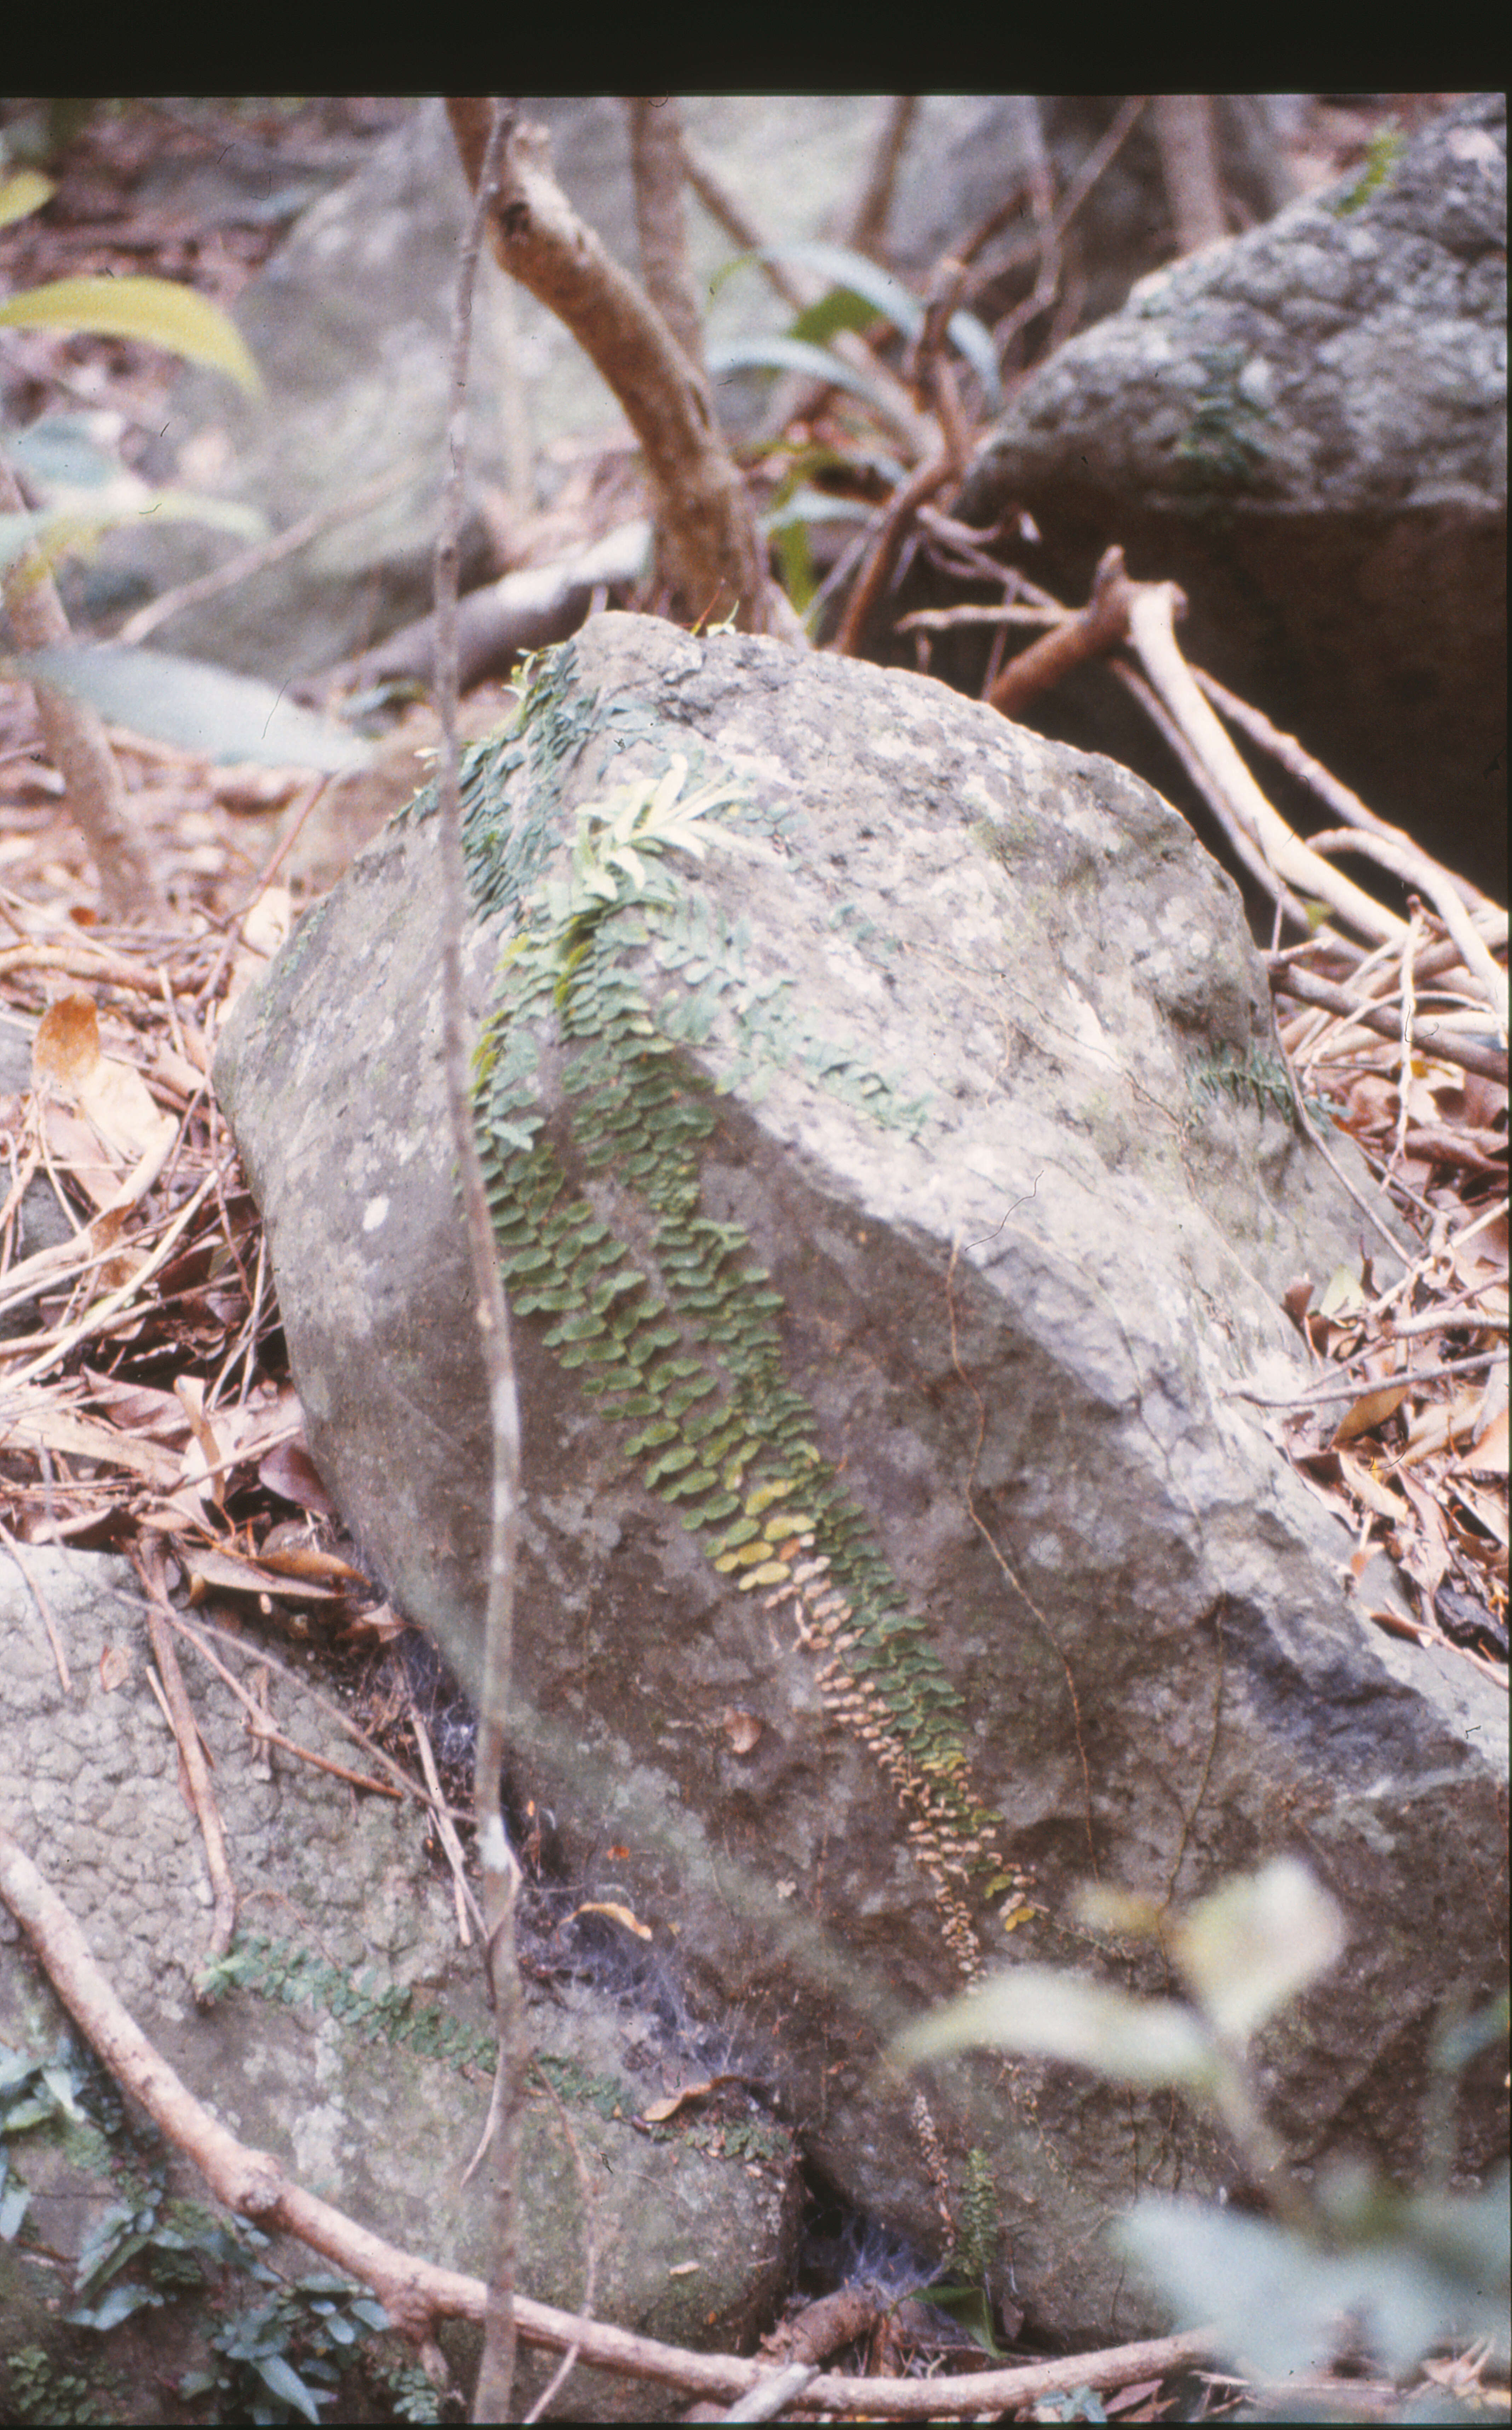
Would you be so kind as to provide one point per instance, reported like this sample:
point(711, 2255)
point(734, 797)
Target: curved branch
point(713, 554)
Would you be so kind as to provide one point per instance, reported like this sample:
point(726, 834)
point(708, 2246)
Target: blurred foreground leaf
point(198, 707)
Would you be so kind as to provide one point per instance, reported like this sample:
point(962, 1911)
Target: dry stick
point(656, 173)
point(1188, 166)
point(186, 1730)
point(707, 528)
point(198, 1630)
point(1416, 868)
point(1290, 754)
point(253, 560)
point(1089, 632)
point(591, 2250)
point(1254, 858)
point(501, 1870)
point(80, 962)
point(1150, 611)
point(868, 220)
point(446, 1831)
point(43, 1607)
point(101, 1318)
point(75, 739)
point(870, 582)
point(1443, 1044)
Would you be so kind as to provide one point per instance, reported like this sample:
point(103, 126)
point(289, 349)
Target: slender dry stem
point(501, 1870)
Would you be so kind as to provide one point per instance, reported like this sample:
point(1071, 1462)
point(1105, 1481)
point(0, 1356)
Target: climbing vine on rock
point(663, 1314)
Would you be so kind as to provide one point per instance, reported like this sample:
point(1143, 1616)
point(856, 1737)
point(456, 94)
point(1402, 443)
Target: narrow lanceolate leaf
point(154, 310)
point(198, 707)
point(1068, 2017)
point(792, 354)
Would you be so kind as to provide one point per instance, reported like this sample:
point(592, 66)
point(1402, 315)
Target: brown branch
point(1416, 868)
point(76, 741)
point(248, 561)
point(1089, 633)
point(657, 174)
point(1188, 165)
point(868, 220)
point(1150, 611)
point(712, 553)
point(1290, 754)
point(1202, 780)
point(1445, 1046)
point(495, 624)
point(872, 580)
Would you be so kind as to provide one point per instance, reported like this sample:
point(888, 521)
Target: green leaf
point(792, 354)
point(155, 310)
point(198, 707)
point(1056, 2015)
point(285, 2381)
point(859, 279)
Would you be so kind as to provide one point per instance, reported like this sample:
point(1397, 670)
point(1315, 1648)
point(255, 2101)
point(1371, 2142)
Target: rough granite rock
point(1307, 427)
point(865, 1611)
point(368, 2105)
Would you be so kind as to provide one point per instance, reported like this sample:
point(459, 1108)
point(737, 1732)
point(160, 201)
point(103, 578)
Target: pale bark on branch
point(711, 552)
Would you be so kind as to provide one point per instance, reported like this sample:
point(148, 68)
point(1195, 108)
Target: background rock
point(350, 323)
point(372, 2113)
point(1307, 427)
point(949, 1058)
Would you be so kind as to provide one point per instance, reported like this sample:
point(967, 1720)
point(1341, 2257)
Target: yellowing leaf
point(155, 310)
point(620, 1915)
point(23, 191)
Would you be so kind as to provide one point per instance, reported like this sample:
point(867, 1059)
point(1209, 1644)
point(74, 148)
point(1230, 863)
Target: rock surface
point(865, 1610)
point(361, 2099)
point(1307, 427)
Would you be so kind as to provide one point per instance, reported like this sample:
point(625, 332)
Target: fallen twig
point(186, 1730)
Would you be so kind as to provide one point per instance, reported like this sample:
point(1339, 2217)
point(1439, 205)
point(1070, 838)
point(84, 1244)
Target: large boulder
point(894, 1206)
point(1307, 427)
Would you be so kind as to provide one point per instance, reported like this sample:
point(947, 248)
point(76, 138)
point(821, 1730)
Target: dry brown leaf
point(116, 1668)
point(289, 1471)
point(1487, 1458)
point(212, 1566)
point(1369, 1488)
point(1372, 1409)
point(309, 1561)
point(620, 1915)
point(42, 1427)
